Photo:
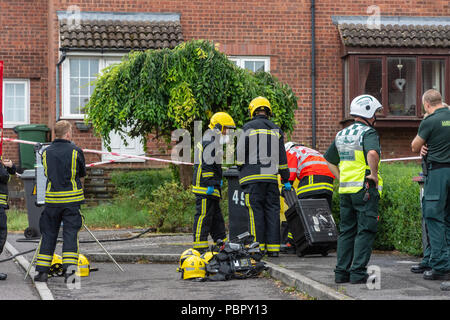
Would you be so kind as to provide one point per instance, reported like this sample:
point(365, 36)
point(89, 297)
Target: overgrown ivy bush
point(400, 224)
point(158, 91)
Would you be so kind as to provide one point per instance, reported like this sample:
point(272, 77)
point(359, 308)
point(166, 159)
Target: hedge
point(400, 223)
point(173, 208)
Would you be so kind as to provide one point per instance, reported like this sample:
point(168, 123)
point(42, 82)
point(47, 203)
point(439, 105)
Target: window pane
point(84, 86)
point(250, 65)
point(259, 66)
point(402, 86)
point(74, 67)
point(84, 68)
point(15, 102)
point(74, 86)
point(433, 75)
point(82, 73)
point(20, 90)
point(9, 90)
point(93, 68)
point(74, 105)
point(370, 77)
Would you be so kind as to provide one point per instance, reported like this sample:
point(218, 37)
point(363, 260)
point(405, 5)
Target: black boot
point(419, 268)
point(3, 276)
point(41, 277)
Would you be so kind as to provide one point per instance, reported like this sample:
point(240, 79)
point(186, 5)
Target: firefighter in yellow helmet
point(207, 182)
point(259, 167)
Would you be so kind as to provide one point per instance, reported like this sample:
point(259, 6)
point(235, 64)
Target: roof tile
point(425, 36)
point(116, 34)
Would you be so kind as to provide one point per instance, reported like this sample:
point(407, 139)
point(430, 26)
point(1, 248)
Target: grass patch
point(17, 219)
point(120, 214)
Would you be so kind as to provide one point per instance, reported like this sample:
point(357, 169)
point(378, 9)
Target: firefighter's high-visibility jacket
point(207, 172)
point(254, 163)
point(310, 168)
point(64, 165)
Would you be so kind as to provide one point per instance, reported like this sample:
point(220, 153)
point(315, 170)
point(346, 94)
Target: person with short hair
point(434, 132)
point(354, 158)
point(64, 165)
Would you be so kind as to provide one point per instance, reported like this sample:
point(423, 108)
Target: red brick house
point(53, 48)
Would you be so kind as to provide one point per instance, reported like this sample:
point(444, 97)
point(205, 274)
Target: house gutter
point(58, 89)
point(313, 73)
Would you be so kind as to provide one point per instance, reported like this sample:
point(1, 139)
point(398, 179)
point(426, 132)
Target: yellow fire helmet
point(56, 268)
point(221, 120)
point(207, 256)
point(193, 268)
point(186, 254)
point(83, 266)
point(259, 102)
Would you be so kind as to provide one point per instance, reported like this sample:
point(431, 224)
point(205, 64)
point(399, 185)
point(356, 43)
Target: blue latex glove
point(221, 183)
point(287, 186)
point(210, 190)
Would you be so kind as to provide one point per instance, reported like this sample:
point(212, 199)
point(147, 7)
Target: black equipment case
point(311, 223)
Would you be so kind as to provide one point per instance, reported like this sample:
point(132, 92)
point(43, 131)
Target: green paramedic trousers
point(358, 226)
point(436, 210)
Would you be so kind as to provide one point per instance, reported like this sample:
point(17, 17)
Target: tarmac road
point(161, 282)
point(145, 281)
point(14, 287)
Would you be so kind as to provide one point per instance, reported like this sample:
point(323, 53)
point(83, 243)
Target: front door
point(134, 146)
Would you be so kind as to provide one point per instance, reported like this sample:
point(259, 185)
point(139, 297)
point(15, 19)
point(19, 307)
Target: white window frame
point(26, 82)
point(65, 85)
point(240, 61)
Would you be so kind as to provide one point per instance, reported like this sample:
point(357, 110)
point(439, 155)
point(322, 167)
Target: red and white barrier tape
point(123, 156)
point(401, 159)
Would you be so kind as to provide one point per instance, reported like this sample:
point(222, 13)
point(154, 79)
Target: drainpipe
point(58, 89)
point(313, 72)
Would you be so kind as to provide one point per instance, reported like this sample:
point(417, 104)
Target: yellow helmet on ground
point(259, 102)
point(207, 256)
point(56, 268)
point(186, 254)
point(83, 266)
point(221, 120)
point(193, 268)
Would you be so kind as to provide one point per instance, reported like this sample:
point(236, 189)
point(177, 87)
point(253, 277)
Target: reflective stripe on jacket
point(257, 161)
point(304, 162)
point(353, 166)
point(205, 174)
point(64, 165)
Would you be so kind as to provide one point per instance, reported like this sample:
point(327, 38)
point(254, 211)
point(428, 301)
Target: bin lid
point(28, 174)
point(31, 127)
point(231, 172)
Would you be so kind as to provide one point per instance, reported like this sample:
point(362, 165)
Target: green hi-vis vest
point(352, 165)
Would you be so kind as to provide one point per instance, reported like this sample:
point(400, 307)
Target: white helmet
point(288, 145)
point(364, 106)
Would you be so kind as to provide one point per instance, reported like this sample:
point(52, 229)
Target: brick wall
point(23, 38)
point(279, 29)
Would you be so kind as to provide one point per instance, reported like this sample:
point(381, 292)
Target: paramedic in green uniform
point(354, 158)
point(434, 132)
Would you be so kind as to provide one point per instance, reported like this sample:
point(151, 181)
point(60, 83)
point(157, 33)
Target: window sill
point(391, 122)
